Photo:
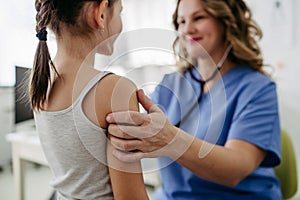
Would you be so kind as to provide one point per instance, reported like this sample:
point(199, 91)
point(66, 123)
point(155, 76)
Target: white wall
point(17, 35)
point(282, 51)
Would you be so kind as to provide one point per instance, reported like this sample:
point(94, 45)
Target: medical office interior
point(280, 23)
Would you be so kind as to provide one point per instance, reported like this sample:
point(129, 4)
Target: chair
point(287, 170)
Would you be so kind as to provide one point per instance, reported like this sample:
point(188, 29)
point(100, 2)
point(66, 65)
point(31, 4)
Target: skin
point(228, 164)
point(202, 36)
point(74, 77)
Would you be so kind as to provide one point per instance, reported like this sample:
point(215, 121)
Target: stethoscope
point(202, 84)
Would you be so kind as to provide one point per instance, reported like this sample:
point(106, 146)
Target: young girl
point(71, 99)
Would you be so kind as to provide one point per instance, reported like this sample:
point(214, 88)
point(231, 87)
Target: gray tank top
point(75, 148)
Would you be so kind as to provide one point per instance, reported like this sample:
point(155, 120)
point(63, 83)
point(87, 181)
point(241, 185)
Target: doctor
point(218, 135)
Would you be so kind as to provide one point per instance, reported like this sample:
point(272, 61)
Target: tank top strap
point(92, 83)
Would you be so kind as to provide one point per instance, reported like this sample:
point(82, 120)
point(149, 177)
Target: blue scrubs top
point(242, 105)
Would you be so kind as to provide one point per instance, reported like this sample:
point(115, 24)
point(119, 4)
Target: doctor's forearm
point(211, 162)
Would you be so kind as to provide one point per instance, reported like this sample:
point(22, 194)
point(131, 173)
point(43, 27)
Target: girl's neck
point(72, 54)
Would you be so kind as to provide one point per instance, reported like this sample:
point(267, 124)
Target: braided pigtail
point(40, 76)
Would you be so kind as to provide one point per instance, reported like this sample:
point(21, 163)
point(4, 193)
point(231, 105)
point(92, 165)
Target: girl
point(70, 100)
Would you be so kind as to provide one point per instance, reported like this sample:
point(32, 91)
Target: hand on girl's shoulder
point(115, 93)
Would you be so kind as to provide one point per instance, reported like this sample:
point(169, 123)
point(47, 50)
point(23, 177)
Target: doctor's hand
point(137, 135)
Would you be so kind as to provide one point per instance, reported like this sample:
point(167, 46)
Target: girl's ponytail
point(41, 75)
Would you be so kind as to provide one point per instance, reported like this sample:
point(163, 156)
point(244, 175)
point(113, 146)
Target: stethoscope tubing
point(196, 103)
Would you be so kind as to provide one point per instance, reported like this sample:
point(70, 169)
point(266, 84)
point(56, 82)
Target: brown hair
point(239, 30)
point(53, 14)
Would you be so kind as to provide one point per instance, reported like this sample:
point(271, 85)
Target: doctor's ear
point(100, 14)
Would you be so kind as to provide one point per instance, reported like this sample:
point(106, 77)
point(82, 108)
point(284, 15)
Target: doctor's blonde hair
point(240, 30)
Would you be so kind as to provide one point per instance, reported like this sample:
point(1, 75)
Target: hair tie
point(42, 35)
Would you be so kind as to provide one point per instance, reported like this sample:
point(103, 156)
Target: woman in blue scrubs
point(218, 136)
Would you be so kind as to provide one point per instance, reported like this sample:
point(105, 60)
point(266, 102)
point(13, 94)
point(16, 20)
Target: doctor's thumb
point(146, 102)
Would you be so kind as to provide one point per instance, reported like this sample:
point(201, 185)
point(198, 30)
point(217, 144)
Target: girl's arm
point(115, 93)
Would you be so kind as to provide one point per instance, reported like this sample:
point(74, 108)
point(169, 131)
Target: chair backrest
point(287, 170)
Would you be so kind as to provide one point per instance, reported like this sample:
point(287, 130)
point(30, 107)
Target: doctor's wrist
point(179, 144)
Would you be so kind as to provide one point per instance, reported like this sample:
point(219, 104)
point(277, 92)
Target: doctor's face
point(197, 28)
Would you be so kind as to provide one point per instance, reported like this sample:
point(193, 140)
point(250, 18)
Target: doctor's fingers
point(125, 145)
point(127, 117)
point(127, 131)
point(115, 130)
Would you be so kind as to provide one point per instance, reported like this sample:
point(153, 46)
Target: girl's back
point(75, 148)
point(73, 135)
